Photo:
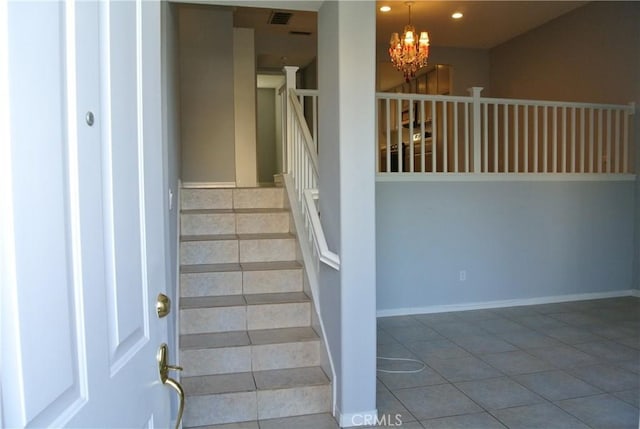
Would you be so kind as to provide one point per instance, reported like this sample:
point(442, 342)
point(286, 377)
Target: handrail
point(327, 256)
point(304, 171)
point(462, 99)
point(306, 92)
point(308, 140)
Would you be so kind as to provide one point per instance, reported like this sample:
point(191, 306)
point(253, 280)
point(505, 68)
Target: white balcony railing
point(450, 134)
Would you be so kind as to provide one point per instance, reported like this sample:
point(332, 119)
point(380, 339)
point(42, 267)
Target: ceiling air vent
point(300, 33)
point(280, 18)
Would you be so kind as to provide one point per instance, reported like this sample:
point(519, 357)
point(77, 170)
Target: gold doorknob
point(163, 305)
point(163, 369)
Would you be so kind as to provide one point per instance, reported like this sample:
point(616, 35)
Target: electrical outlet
point(463, 275)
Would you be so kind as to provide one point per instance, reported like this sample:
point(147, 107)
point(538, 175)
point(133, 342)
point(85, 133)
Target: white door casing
point(82, 214)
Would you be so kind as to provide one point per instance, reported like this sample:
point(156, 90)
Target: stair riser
point(222, 319)
point(232, 198)
point(222, 360)
point(294, 402)
point(272, 281)
point(207, 224)
point(193, 199)
point(209, 252)
point(232, 251)
point(261, 198)
point(268, 250)
point(257, 223)
point(218, 409)
point(227, 360)
point(265, 404)
point(237, 282)
point(273, 316)
point(211, 284)
point(287, 355)
point(231, 223)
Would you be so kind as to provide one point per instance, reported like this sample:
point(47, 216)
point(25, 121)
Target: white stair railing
point(302, 169)
point(300, 158)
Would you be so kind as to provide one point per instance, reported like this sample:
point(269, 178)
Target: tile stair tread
point(252, 381)
point(242, 211)
point(246, 338)
point(243, 266)
point(282, 335)
point(217, 237)
point(214, 340)
point(241, 300)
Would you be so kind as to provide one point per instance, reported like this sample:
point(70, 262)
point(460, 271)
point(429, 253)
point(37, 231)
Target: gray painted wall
point(267, 165)
point(470, 68)
point(206, 94)
point(589, 54)
point(516, 240)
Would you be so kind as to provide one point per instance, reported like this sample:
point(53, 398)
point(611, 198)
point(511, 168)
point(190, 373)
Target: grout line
point(544, 400)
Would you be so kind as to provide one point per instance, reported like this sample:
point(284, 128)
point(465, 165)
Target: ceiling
point(485, 24)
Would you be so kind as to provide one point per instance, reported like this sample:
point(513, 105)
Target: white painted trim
point(314, 283)
point(635, 292)
point(350, 420)
point(308, 5)
point(12, 407)
point(504, 177)
point(178, 207)
point(326, 256)
point(202, 185)
point(504, 303)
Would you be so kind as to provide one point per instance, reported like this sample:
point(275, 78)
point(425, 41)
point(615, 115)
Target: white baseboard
point(504, 303)
point(365, 418)
point(197, 185)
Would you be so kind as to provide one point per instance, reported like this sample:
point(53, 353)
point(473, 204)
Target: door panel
point(123, 166)
point(82, 220)
point(40, 235)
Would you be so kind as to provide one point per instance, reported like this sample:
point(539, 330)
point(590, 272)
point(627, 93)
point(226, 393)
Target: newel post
point(475, 93)
point(290, 83)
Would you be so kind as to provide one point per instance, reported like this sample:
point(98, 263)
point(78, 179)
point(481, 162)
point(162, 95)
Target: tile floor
point(565, 365)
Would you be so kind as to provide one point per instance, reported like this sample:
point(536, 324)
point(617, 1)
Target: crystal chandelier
point(408, 55)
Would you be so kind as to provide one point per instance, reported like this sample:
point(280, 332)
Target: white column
point(290, 83)
point(346, 81)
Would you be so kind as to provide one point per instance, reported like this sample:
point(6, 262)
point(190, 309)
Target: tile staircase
point(247, 344)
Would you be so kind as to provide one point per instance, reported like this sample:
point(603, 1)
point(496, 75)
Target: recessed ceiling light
point(457, 15)
point(385, 8)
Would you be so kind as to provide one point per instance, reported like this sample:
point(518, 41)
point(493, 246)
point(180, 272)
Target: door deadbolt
point(163, 305)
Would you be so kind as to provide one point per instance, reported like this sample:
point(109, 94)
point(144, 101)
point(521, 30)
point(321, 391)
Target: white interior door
point(82, 246)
